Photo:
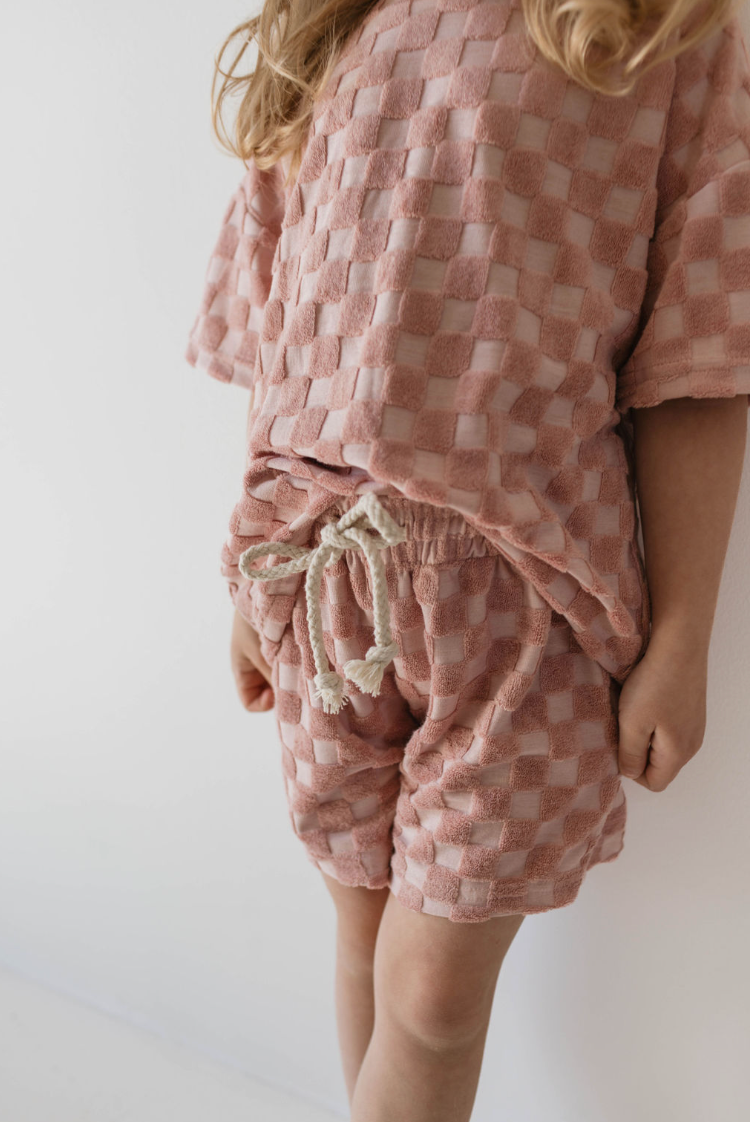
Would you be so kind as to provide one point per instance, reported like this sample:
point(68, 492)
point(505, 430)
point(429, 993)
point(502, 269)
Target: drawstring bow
point(350, 532)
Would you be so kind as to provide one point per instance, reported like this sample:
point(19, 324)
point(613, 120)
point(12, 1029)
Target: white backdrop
point(147, 864)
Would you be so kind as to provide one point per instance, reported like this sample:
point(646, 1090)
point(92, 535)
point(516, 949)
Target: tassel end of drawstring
point(329, 687)
point(367, 673)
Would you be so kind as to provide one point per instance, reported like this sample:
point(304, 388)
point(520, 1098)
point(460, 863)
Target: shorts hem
point(411, 897)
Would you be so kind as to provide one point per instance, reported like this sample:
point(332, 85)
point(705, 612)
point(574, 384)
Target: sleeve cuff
point(666, 383)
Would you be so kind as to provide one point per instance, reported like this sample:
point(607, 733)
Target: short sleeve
point(224, 337)
point(694, 332)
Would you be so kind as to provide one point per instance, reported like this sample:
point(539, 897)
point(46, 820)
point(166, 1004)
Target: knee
point(433, 1012)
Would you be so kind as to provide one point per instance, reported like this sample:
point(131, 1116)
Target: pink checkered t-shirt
point(480, 269)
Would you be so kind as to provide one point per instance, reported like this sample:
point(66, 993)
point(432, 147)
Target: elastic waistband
point(434, 535)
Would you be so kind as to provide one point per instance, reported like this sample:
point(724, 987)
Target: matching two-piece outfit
point(479, 269)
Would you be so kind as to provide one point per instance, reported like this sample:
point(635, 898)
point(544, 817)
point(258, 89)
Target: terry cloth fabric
point(482, 780)
point(479, 270)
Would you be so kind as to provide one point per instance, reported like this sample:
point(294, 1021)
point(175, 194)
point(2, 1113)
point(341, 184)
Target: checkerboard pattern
point(483, 780)
point(695, 321)
point(479, 266)
point(223, 340)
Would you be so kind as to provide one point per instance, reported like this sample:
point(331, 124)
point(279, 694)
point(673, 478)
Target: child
point(487, 273)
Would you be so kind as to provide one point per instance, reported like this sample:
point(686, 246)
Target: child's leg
point(434, 985)
point(358, 913)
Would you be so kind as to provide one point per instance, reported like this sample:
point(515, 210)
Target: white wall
point(147, 863)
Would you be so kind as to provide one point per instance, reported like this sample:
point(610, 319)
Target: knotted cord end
point(367, 673)
point(329, 687)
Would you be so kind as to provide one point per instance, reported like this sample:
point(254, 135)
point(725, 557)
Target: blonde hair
point(299, 43)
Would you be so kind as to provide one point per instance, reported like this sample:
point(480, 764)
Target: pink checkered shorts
point(482, 779)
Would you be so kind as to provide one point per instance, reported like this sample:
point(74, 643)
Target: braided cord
point(348, 533)
point(274, 572)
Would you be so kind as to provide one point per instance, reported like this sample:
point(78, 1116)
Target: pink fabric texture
point(483, 779)
point(479, 270)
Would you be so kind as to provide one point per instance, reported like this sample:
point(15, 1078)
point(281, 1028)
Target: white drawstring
point(348, 533)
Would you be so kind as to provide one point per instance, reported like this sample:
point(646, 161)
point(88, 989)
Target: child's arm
point(688, 458)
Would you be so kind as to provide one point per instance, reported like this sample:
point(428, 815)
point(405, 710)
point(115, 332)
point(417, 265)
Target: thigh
point(438, 977)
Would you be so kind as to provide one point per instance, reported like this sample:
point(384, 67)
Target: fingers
point(661, 718)
point(653, 779)
point(262, 665)
point(633, 749)
point(245, 648)
point(252, 674)
point(262, 703)
point(670, 751)
point(657, 763)
point(254, 692)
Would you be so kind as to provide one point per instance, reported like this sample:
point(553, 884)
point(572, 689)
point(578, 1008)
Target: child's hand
point(252, 673)
point(662, 702)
